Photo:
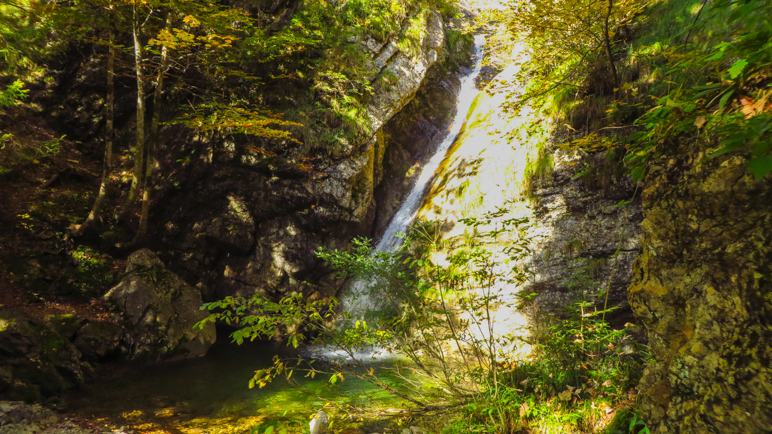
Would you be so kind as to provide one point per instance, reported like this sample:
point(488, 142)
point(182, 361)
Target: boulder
point(318, 424)
point(160, 310)
point(35, 360)
point(98, 340)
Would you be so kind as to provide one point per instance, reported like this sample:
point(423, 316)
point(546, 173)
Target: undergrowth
point(566, 372)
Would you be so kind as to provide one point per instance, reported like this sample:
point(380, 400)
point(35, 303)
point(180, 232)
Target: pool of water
point(211, 395)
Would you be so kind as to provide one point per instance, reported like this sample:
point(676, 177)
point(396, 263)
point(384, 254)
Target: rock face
point(160, 310)
point(409, 140)
point(35, 360)
point(703, 287)
point(403, 71)
point(255, 229)
point(582, 240)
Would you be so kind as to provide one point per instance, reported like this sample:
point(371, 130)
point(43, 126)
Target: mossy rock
point(36, 361)
point(67, 325)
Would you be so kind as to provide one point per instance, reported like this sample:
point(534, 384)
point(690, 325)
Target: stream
point(210, 395)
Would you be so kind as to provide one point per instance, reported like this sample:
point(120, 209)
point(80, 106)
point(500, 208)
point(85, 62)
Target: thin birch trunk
point(138, 173)
point(153, 139)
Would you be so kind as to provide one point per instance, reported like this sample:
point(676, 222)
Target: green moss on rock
point(703, 287)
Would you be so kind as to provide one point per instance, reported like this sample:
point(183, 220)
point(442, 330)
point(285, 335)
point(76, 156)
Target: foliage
point(321, 69)
point(231, 120)
point(93, 273)
point(565, 41)
point(24, 25)
point(260, 317)
point(439, 318)
point(727, 107)
point(12, 94)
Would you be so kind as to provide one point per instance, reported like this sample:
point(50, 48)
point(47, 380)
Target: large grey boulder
point(160, 310)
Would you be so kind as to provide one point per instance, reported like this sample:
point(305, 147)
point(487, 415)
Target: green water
point(211, 395)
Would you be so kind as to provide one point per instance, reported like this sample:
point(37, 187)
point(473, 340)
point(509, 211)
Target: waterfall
point(356, 301)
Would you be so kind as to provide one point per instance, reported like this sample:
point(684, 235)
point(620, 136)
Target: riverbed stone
point(160, 310)
point(20, 418)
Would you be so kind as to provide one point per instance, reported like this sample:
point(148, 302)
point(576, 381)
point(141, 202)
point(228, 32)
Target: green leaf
point(760, 166)
point(724, 99)
point(269, 430)
point(638, 173)
point(737, 68)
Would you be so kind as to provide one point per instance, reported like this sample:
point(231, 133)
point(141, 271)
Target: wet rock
point(160, 310)
point(35, 360)
point(702, 287)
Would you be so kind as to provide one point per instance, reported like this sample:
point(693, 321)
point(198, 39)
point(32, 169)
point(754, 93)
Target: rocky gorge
point(258, 230)
point(676, 256)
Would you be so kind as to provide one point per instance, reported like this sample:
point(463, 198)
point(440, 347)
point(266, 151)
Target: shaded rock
point(35, 360)
point(160, 310)
point(235, 228)
point(98, 340)
point(67, 325)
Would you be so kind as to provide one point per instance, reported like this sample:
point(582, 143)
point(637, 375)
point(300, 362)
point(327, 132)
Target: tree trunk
point(153, 139)
point(107, 168)
point(609, 51)
point(138, 174)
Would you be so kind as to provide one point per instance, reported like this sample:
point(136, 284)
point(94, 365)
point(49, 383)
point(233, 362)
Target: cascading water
point(356, 301)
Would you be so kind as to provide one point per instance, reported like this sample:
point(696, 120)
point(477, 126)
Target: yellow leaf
point(523, 409)
point(191, 21)
point(700, 122)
